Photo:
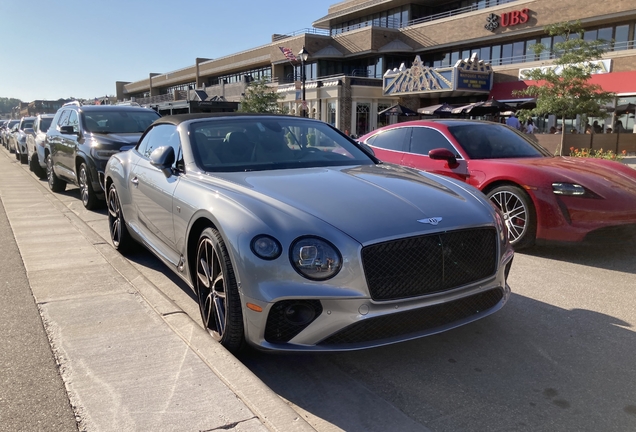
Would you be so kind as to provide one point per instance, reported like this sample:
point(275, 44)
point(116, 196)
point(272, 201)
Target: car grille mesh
point(428, 264)
point(415, 321)
point(287, 318)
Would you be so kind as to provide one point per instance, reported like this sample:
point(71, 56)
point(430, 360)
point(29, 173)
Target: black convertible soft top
point(180, 118)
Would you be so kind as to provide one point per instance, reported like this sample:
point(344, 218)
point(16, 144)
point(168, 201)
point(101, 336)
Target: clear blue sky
point(58, 49)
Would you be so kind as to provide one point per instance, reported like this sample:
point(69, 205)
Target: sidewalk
point(129, 357)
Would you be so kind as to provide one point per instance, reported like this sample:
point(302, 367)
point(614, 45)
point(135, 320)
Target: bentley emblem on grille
point(432, 221)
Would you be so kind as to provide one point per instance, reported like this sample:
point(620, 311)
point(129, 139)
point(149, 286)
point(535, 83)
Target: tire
point(119, 235)
point(55, 183)
point(519, 214)
point(24, 158)
point(87, 193)
point(34, 166)
point(217, 292)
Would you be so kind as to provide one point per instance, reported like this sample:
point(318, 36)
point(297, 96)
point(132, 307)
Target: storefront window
point(362, 118)
point(530, 56)
point(621, 40)
point(606, 35)
point(484, 54)
point(331, 113)
point(518, 52)
point(383, 119)
point(506, 54)
point(496, 55)
point(547, 44)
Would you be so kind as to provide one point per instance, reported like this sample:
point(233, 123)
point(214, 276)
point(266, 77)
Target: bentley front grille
point(417, 266)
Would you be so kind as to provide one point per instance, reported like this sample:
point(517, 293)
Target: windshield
point(12, 123)
point(27, 124)
point(45, 123)
point(119, 121)
point(494, 141)
point(249, 144)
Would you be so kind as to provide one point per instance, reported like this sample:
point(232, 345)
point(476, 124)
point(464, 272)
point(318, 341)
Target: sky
point(80, 48)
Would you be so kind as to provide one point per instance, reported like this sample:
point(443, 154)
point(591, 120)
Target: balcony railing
point(463, 10)
point(278, 37)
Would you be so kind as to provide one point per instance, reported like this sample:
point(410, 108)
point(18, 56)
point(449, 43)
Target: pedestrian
point(553, 130)
point(513, 122)
point(530, 127)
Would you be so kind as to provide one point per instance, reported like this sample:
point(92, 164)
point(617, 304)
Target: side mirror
point(29, 131)
point(443, 154)
point(67, 130)
point(163, 158)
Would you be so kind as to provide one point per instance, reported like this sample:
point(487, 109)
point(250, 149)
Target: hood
point(370, 202)
point(116, 139)
point(603, 177)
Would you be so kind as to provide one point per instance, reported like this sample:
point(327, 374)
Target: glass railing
point(463, 10)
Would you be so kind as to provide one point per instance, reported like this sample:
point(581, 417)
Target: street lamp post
point(304, 55)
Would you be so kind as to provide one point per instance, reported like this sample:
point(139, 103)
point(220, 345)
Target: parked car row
point(291, 235)
point(6, 132)
point(82, 138)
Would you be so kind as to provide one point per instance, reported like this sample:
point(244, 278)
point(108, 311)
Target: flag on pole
point(289, 55)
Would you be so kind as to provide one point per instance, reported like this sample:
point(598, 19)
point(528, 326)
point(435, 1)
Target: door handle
point(135, 181)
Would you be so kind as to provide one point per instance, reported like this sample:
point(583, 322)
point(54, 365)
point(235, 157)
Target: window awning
point(616, 82)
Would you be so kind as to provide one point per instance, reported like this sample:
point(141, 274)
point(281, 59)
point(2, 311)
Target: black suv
point(82, 138)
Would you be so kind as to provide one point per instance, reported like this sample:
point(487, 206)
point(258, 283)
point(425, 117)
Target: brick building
point(366, 55)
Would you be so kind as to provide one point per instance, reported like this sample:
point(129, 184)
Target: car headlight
point(102, 154)
point(266, 247)
point(315, 258)
point(571, 189)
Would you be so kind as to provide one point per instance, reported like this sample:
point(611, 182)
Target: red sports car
point(542, 197)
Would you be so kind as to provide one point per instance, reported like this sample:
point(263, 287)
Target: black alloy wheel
point(55, 183)
point(519, 214)
point(116, 225)
point(87, 193)
point(217, 291)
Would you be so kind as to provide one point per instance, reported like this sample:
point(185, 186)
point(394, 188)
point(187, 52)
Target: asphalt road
point(559, 356)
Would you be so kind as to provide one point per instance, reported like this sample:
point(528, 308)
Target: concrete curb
point(271, 410)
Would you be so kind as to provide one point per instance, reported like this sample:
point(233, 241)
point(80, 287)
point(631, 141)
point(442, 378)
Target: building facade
point(367, 55)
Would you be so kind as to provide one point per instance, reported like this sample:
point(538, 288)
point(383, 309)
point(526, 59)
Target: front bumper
point(344, 324)
point(573, 219)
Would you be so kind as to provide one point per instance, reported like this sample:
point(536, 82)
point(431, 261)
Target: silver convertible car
point(295, 237)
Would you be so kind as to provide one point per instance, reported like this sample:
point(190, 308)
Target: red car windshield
point(492, 141)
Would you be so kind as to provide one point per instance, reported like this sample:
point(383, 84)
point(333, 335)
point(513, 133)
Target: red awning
point(615, 82)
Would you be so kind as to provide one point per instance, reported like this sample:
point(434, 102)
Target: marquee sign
point(507, 19)
point(467, 75)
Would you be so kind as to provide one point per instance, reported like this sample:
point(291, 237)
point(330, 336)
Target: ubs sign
point(507, 19)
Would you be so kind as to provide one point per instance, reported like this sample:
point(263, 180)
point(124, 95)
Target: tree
point(7, 104)
point(565, 89)
point(259, 98)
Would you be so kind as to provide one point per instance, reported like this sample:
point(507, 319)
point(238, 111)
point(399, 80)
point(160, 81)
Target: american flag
point(289, 54)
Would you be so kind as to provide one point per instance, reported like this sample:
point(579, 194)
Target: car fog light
point(299, 314)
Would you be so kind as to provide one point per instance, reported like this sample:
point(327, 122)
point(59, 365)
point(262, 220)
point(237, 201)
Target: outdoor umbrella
point(629, 108)
point(462, 109)
point(399, 110)
point(491, 106)
point(436, 109)
point(529, 104)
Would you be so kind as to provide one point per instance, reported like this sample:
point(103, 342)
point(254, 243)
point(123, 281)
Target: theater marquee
point(472, 75)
